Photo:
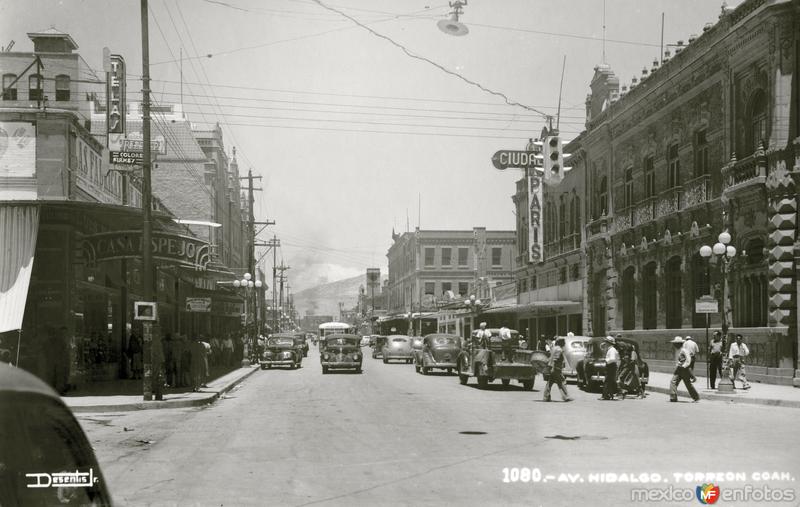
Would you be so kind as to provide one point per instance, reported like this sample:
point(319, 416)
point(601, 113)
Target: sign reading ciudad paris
point(173, 248)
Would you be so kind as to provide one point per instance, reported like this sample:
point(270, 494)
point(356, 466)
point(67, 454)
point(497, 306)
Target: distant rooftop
point(52, 40)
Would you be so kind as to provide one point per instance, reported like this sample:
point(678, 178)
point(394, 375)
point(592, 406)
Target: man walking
point(736, 354)
point(556, 365)
point(693, 349)
point(715, 358)
point(612, 366)
point(682, 372)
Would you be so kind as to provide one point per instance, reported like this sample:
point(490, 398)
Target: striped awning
point(19, 226)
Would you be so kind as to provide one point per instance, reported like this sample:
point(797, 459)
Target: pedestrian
point(693, 349)
point(629, 382)
point(555, 366)
point(169, 360)
point(135, 353)
point(505, 341)
point(612, 366)
point(682, 372)
point(541, 345)
point(715, 358)
point(185, 368)
point(737, 353)
point(482, 336)
point(227, 351)
point(197, 352)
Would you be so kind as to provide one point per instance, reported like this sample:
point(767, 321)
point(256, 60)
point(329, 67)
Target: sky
point(355, 132)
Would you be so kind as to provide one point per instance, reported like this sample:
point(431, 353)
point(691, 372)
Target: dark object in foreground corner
point(42, 447)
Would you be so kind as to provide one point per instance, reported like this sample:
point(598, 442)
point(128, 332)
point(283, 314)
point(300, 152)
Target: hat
point(570, 334)
point(688, 338)
point(610, 339)
point(677, 339)
point(482, 324)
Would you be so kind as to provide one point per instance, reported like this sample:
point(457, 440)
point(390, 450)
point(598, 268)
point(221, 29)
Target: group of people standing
point(687, 353)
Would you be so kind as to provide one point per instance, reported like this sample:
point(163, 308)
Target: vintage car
point(280, 350)
point(438, 351)
point(591, 370)
point(485, 362)
point(40, 440)
point(416, 349)
point(398, 348)
point(342, 352)
point(574, 352)
point(377, 347)
point(301, 344)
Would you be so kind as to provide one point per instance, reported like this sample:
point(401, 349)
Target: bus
point(329, 328)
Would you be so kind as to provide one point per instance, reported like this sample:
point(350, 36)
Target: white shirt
point(612, 356)
point(684, 357)
point(738, 350)
point(691, 347)
point(505, 333)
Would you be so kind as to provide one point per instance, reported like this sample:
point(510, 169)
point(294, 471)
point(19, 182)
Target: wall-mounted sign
point(535, 233)
point(198, 304)
point(145, 310)
point(706, 304)
point(128, 150)
point(115, 96)
point(17, 149)
point(172, 248)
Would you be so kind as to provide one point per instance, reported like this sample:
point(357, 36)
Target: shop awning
point(19, 226)
point(559, 306)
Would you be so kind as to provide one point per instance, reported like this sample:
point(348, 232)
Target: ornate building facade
point(703, 143)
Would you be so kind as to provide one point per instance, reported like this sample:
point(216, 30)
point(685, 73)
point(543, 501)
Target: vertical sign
point(535, 198)
point(115, 96)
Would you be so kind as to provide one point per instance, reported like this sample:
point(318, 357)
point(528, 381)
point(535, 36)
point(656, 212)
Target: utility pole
point(283, 277)
point(251, 255)
point(152, 341)
point(274, 243)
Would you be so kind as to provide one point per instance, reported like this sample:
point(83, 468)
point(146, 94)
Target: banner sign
point(535, 233)
point(198, 304)
point(17, 149)
point(128, 150)
point(227, 308)
point(172, 248)
point(115, 96)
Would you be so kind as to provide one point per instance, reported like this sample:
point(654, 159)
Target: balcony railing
point(669, 202)
point(696, 191)
point(751, 170)
point(598, 226)
point(644, 211)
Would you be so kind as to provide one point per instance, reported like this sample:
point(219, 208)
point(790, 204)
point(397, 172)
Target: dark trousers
point(508, 351)
point(682, 374)
point(716, 368)
point(691, 370)
point(610, 382)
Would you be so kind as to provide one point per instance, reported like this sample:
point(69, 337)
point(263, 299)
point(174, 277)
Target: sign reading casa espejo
point(172, 248)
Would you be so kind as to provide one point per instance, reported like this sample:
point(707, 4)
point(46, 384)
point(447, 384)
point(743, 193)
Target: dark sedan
point(592, 368)
point(439, 351)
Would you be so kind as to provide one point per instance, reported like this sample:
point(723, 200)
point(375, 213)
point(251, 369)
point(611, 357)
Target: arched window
point(674, 301)
point(602, 197)
point(9, 89)
point(629, 298)
point(649, 296)
point(757, 131)
point(62, 87)
point(35, 87)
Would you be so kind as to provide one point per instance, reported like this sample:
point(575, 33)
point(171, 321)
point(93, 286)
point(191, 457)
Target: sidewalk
point(215, 389)
point(758, 394)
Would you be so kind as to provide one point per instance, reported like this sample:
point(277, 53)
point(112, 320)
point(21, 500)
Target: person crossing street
point(682, 372)
point(556, 365)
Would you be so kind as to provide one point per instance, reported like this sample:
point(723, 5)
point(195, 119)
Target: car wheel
point(528, 384)
point(592, 386)
point(483, 381)
point(263, 366)
point(506, 381)
point(358, 370)
point(416, 367)
point(374, 355)
point(324, 370)
point(385, 361)
point(449, 371)
point(425, 370)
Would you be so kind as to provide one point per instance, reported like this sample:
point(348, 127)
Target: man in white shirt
point(505, 340)
point(682, 372)
point(482, 336)
point(612, 365)
point(736, 354)
point(691, 346)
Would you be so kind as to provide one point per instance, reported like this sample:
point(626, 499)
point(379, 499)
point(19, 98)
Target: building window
point(35, 91)
point(649, 296)
point(463, 288)
point(497, 257)
point(758, 119)
point(9, 90)
point(649, 178)
point(533, 282)
point(701, 286)
point(628, 198)
point(700, 153)
point(430, 288)
point(62, 88)
point(575, 215)
point(602, 197)
point(674, 293)
point(523, 285)
point(447, 257)
point(562, 275)
point(628, 298)
point(576, 271)
point(462, 257)
point(674, 166)
point(562, 217)
point(429, 257)
point(446, 286)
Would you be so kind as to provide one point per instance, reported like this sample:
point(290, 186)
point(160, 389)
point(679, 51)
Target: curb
point(151, 405)
point(731, 398)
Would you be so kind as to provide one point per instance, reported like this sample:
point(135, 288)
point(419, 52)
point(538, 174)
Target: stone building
point(705, 142)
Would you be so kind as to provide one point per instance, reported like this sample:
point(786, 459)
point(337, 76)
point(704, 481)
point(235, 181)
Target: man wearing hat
point(612, 365)
point(556, 365)
point(693, 349)
point(482, 336)
point(715, 357)
point(682, 372)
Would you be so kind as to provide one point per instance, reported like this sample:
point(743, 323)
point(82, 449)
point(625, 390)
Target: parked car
point(591, 370)
point(397, 347)
point(301, 344)
point(377, 348)
point(574, 352)
point(438, 351)
point(342, 351)
point(280, 351)
point(40, 436)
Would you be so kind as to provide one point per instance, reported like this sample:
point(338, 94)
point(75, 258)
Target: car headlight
point(356, 357)
point(326, 357)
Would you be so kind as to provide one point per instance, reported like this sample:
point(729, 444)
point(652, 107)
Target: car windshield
point(399, 340)
point(340, 341)
point(577, 345)
point(441, 341)
point(280, 342)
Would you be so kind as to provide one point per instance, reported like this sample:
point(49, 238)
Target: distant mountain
point(324, 299)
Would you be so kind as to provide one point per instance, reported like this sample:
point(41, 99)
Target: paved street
point(391, 436)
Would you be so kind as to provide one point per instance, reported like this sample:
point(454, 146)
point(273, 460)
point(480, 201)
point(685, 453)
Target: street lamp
point(249, 287)
point(474, 306)
point(724, 253)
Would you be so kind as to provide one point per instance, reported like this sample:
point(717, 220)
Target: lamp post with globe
point(474, 306)
point(724, 253)
point(250, 288)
